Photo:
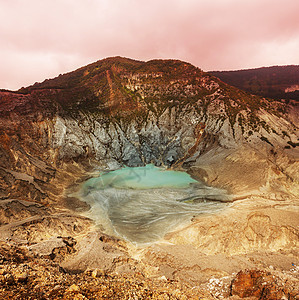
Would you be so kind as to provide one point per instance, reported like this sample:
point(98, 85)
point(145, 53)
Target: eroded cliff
point(119, 112)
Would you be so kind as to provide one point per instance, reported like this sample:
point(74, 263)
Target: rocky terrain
point(26, 276)
point(116, 112)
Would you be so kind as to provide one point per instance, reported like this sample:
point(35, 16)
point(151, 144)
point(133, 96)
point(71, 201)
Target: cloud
point(40, 39)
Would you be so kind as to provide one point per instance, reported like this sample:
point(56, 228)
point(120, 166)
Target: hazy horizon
point(42, 39)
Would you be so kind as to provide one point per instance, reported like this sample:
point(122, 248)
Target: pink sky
point(42, 38)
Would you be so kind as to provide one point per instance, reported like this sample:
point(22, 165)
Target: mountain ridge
point(96, 82)
point(273, 82)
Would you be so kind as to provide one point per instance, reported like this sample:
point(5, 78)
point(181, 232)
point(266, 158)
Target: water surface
point(142, 204)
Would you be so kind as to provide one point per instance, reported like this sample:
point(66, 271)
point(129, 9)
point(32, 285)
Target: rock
point(57, 287)
point(130, 156)
point(170, 157)
point(79, 297)
point(98, 273)
point(262, 285)
point(9, 279)
point(73, 288)
point(21, 277)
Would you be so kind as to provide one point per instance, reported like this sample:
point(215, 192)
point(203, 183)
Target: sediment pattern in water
point(142, 204)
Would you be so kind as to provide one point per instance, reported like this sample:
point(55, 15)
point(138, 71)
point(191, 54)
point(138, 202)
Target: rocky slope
point(116, 112)
point(25, 276)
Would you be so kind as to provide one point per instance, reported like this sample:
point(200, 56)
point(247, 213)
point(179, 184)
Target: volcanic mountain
point(121, 112)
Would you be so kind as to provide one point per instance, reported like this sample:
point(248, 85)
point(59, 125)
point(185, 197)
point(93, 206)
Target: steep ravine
point(116, 112)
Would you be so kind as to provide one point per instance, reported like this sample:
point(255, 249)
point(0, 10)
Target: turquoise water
point(142, 204)
point(148, 177)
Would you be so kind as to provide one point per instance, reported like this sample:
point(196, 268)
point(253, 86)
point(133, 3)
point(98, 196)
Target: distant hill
point(278, 82)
